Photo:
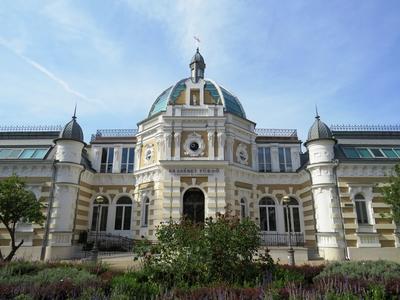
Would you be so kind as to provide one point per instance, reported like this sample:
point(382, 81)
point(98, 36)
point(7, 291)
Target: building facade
point(196, 155)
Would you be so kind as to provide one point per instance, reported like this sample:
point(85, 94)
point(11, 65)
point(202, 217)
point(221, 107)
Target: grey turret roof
point(319, 130)
point(72, 131)
point(198, 58)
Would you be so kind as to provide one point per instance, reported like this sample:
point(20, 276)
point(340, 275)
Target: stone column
point(177, 140)
point(221, 145)
point(167, 145)
point(210, 144)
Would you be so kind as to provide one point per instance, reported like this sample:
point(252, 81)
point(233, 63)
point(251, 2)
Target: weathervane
point(197, 41)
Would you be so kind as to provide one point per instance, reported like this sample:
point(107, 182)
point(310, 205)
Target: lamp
point(95, 251)
point(286, 201)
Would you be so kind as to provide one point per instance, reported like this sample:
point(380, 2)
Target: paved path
point(121, 262)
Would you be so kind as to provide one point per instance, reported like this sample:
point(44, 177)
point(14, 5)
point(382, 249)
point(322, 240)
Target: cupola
point(197, 66)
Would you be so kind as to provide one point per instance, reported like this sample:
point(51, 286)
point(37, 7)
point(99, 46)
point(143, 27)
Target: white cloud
point(48, 73)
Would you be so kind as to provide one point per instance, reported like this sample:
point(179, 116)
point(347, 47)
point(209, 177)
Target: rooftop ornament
point(276, 132)
point(38, 128)
point(376, 128)
point(114, 133)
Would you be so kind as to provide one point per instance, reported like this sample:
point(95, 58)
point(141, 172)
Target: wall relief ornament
point(194, 145)
point(148, 153)
point(242, 155)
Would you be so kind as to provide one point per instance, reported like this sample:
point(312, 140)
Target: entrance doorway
point(193, 205)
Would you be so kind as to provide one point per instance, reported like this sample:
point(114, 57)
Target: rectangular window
point(361, 210)
point(39, 153)
point(27, 153)
point(263, 219)
point(271, 219)
point(389, 153)
point(118, 217)
point(94, 217)
point(364, 153)
point(107, 158)
point(294, 219)
point(351, 152)
point(377, 152)
point(127, 217)
point(127, 160)
point(397, 152)
point(285, 159)
point(264, 159)
point(23, 153)
point(146, 215)
point(103, 219)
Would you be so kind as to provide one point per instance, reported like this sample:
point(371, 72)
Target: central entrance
point(193, 205)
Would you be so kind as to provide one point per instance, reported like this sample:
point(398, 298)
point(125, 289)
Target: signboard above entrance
point(194, 171)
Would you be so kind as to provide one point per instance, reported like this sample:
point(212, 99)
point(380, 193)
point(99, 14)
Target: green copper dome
point(219, 94)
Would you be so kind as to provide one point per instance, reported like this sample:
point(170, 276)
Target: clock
point(194, 145)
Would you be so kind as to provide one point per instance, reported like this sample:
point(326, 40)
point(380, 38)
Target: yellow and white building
point(197, 155)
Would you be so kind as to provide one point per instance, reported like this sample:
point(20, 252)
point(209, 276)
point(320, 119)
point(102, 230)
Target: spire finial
point(316, 112)
point(197, 42)
point(74, 116)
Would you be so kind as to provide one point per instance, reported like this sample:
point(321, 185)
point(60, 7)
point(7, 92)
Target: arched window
point(294, 216)
point(361, 209)
point(123, 213)
point(267, 214)
point(145, 212)
point(102, 221)
point(243, 208)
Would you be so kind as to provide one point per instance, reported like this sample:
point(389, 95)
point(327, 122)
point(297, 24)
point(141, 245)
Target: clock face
point(194, 146)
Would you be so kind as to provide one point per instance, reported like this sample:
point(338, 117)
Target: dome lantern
point(197, 66)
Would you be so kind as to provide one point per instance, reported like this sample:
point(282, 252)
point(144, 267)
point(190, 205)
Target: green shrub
point(218, 251)
point(133, 285)
point(19, 267)
point(380, 269)
point(60, 274)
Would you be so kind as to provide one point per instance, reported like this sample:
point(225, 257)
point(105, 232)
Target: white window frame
point(267, 207)
point(127, 160)
point(124, 206)
point(145, 207)
point(298, 206)
point(264, 163)
point(285, 159)
point(364, 202)
point(107, 159)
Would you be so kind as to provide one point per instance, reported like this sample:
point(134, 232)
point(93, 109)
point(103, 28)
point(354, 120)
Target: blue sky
point(280, 58)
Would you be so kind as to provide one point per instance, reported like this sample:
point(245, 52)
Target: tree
point(391, 194)
point(17, 205)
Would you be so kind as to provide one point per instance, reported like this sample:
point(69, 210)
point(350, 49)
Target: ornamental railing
point(282, 239)
point(276, 132)
point(114, 133)
point(38, 128)
point(110, 242)
point(365, 127)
